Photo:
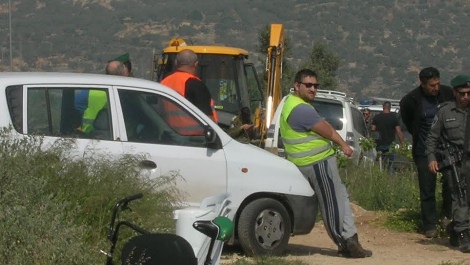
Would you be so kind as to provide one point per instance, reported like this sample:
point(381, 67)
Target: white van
point(269, 197)
point(337, 109)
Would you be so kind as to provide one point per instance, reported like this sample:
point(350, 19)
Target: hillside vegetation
point(382, 43)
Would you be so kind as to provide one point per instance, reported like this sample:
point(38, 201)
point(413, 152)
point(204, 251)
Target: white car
point(269, 197)
point(337, 109)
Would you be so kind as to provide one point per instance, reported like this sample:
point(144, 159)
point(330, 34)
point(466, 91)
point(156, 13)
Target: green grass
point(55, 209)
point(396, 194)
point(378, 191)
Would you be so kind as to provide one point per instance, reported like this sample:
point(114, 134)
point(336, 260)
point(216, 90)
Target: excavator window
point(226, 77)
point(219, 73)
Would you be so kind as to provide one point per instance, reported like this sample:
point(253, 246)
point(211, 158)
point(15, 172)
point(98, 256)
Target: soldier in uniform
point(242, 128)
point(449, 127)
point(124, 59)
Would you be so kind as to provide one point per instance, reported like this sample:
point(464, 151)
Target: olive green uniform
point(449, 127)
point(240, 134)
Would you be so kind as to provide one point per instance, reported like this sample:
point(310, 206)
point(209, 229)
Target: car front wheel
point(264, 228)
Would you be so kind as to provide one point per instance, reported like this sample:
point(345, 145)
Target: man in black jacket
point(417, 109)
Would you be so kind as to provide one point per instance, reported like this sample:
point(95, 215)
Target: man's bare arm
point(400, 135)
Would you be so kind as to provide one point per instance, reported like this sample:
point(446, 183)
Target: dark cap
point(123, 58)
point(460, 81)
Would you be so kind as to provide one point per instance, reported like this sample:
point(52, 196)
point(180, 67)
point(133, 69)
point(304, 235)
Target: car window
point(359, 122)
point(331, 111)
point(14, 96)
point(153, 118)
point(68, 112)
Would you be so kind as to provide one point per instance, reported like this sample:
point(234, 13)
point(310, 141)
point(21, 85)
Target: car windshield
point(331, 111)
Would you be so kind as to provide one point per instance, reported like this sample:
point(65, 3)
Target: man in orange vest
point(186, 83)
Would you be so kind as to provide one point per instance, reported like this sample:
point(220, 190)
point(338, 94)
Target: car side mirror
point(211, 138)
point(210, 135)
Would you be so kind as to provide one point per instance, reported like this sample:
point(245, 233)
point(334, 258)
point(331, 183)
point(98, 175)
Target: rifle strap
point(466, 141)
point(464, 171)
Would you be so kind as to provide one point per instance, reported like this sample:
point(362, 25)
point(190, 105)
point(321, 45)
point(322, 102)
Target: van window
point(358, 122)
point(69, 112)
point(15, 106)
point(331, 111)
point(152, 118)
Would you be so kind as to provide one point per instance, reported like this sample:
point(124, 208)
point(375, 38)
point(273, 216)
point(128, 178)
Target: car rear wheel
point(264, 228)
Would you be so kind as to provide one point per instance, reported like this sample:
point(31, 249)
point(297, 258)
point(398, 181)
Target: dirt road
point(388, 247)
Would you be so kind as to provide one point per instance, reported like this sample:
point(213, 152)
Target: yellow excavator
point(232, 81)
point(275, 52)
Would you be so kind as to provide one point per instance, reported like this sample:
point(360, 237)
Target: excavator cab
point(232, 83)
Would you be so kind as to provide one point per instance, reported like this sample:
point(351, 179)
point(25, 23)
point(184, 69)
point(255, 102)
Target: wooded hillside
point(382, 43)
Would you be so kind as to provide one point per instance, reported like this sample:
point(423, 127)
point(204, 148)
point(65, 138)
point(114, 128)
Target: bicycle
point(148, 248)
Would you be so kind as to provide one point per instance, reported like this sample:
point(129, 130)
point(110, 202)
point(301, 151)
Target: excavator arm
point(274, 74)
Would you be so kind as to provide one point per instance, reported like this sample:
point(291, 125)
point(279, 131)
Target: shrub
point(377, 190)
point(54, 208)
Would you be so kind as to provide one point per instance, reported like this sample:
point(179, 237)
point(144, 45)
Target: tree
point(325, 63)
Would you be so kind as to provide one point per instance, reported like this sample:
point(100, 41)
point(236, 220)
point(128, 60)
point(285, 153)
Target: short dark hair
point(387, 105)
point(304, 73)
point(428, 73)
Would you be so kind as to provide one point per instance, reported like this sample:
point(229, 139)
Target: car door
point(147, 129)
point(57, 111)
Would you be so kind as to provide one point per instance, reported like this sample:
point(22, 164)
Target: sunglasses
point(309, 85)
point(464, 93)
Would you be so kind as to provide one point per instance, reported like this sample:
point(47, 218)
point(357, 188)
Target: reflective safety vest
point(97, 100)
point(302, 148)
point(177, 81)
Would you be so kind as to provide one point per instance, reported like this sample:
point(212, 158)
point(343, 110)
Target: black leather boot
point(464, 241)
point(453, 236)
point(355, 249)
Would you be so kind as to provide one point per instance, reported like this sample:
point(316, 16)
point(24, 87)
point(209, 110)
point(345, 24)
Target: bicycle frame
point(161, 247)
point(113, 230)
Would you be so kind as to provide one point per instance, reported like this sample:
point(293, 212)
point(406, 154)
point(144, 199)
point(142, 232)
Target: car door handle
point(148, 164)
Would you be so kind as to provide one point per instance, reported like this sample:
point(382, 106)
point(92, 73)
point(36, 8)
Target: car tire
point(264, 228)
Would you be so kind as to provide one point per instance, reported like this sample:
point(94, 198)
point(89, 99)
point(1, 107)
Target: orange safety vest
point(177, 81)
point(175, 116)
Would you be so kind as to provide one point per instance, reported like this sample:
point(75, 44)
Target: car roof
point(378, 108)
point(37, 78)
point(332, 94)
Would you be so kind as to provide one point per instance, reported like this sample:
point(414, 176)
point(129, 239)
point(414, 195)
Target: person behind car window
point(367, 118)
point(125, 60)
point(307, 140)
point(386, 124)
point(417, 109)
point(186, 83)
point(96, 99)
point(446, 139)
point(242, 128)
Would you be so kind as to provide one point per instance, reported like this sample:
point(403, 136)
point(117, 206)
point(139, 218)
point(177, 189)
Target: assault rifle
point(450, 156)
